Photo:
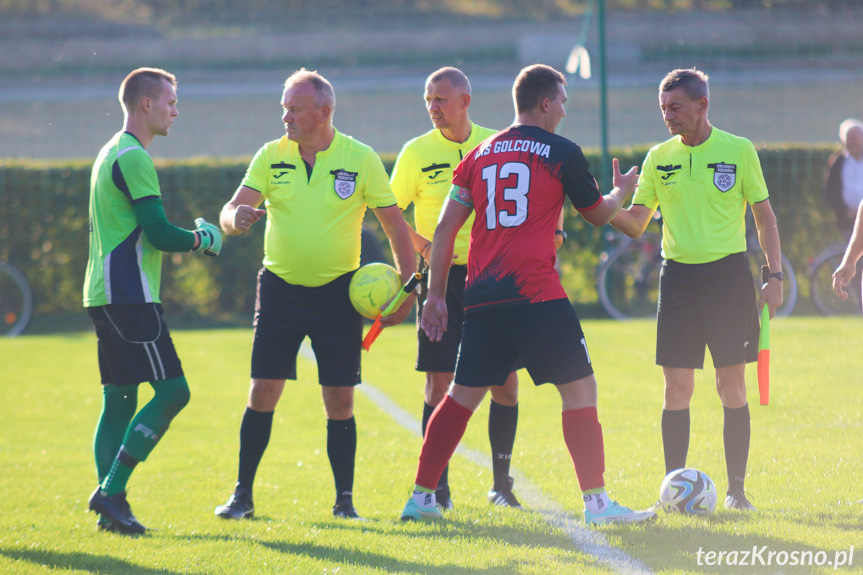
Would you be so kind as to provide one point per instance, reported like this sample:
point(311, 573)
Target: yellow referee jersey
point(314, 223)
point(702, 192)
point(423, 175)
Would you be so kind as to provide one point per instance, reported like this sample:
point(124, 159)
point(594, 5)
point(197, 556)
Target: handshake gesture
point(210, 237)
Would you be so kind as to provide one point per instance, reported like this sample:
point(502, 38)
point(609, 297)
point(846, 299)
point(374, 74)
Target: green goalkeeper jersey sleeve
point(164, 235)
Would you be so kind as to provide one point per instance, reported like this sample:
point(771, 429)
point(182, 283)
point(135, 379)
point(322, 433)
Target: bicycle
point(627, 279)
point(16, 301)
point(821, 284)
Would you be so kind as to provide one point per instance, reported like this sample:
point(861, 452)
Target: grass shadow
point(534, 534)
point(385, 563)
point(83, 562)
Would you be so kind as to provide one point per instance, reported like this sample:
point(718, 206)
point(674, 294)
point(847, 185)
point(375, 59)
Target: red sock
point(582, 434)
point(445, 429)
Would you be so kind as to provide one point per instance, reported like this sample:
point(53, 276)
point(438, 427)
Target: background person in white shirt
point(843, 188)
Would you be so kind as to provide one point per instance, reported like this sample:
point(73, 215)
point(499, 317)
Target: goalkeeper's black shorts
point(134, 344)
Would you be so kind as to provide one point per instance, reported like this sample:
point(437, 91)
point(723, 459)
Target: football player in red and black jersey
point(516, 310)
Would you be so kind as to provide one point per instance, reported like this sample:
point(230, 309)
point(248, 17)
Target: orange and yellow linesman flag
point(764, 347)
point(397, 302)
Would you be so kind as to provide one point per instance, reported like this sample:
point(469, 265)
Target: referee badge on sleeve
point(724, 175)
point(344, 183)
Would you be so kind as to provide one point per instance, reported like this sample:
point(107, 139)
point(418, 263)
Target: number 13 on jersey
point(517, 193)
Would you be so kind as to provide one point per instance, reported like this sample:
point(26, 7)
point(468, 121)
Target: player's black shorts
point(544, 337)
point(285, 314)
point(134, 344)
point(711, 305)
point(440, 356)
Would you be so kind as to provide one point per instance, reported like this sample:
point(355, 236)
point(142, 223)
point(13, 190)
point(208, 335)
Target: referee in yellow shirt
point(702, 180)
point(315, 184)
point(423, 176)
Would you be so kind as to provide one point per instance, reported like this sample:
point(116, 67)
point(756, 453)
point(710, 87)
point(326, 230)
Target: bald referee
point(422, 176)
point(315, 184)
point(702, 179)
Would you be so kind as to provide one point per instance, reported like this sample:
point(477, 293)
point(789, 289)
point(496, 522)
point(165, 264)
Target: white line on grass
point(589, 541)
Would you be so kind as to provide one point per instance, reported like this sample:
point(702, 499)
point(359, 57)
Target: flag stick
point(764, 347)
point(395, 304)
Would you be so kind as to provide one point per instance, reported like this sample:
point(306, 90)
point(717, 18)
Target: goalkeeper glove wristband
point(209, 236)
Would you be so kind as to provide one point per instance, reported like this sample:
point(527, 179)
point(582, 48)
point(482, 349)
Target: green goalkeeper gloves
point(210, 237)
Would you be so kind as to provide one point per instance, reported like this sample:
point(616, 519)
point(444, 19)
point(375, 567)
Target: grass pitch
point(803, 470)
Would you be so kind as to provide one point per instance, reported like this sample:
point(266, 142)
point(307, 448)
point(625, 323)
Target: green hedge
point(43, 229)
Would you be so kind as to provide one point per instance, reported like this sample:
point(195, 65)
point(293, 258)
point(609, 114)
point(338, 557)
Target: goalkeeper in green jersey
point(128, 233)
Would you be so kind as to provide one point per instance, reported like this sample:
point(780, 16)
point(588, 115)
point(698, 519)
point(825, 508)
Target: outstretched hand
point(625, 182)
point(209, 237)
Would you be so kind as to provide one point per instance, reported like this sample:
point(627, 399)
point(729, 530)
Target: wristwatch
point(778, 275)
point(561, 233)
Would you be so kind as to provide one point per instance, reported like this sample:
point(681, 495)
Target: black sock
point(502, 423)
point(736, 433)
point(675, 438)
point(342, 451)
point(427, 411)
point(254, 437)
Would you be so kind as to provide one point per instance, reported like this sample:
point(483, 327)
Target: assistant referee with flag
point(702, 180)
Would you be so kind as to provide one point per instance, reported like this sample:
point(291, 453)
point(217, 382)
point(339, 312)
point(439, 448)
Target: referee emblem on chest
point(724, 175)
point(344, 183)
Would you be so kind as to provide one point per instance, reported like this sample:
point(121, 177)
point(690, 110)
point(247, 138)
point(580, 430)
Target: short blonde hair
point(324, 93)
point(143, 83)
point(457, 79)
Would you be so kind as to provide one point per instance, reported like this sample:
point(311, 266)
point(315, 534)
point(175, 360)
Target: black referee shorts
point(712, 305)
point(285, 314)
point(440, 356)
point(134, 344)
point(546, 338)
